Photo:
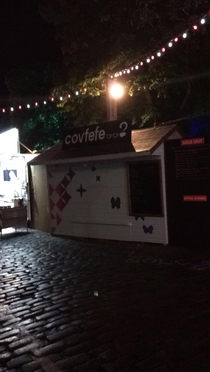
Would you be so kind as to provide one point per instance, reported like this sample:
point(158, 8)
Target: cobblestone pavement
point(96, 306)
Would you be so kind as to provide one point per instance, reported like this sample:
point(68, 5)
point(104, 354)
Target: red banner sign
point(192, 141)
point(195, 198)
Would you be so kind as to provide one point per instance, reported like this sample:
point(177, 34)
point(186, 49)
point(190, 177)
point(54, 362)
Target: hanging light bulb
point(184, 35)
point(36, 104)
point(137, 67)
point(141, 63)
point(195, 27)
point(3, 110)
point(28, 106)
point(11, 108)
point(20, 107)
point(176, 39)
point(148, 60)
point(45, 102)
point(170, 44)
point(52, 99)
point(159, 54)
point(203, 21)
point(163, 50)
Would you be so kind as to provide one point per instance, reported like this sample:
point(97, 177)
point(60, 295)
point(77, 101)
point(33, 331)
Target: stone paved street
point(96, 306)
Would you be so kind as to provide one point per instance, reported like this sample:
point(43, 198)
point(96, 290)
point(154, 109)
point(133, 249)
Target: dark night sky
point(26, 40)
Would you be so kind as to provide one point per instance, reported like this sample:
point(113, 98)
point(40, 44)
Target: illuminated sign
point(106, 133)
point(195, 198)
point(192, 141)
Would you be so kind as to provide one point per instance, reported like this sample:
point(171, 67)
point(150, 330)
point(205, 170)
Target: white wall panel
point(95, 203)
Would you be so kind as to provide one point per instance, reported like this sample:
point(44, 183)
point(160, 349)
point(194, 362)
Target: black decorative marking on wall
point(115, 202)
point(98, 178)
point(148, 230)
point(93, 169)
point(81, 190)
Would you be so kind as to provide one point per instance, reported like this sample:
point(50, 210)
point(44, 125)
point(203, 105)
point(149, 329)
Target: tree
point(99, 38)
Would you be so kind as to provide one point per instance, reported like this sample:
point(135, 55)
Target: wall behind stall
point(93, 201)
point(39, 200)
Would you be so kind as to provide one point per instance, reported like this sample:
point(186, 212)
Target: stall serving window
point(145, 191)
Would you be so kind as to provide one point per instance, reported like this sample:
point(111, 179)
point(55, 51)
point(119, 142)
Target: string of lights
point(134, 68)
point(163, 50)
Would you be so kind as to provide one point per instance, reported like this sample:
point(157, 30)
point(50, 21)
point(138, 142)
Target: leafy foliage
point(99, 38)
point(42, 128)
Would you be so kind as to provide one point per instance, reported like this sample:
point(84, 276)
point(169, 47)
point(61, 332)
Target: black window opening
point(145, 188)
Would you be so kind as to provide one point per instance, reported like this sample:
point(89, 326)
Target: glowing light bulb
point(77, 93)
point(45, 102)
point(163, 50)
point(52, 99)
point(3, 110)
point(159, 54)
point(61, 98)
point(170, 44)
point(148, 60)
point(28, 106)
point(20, 107)
point(195, 27)
point(184, 35)
point(137, 67)
point(116, 90)
point(176, 39)
point(152, 57)
point(36, 104)
point(11, 108)
point(203, 21)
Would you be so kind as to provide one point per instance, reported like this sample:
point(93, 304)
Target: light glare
point(116, 90)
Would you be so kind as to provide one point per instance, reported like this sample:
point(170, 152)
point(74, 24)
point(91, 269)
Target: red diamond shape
point(61, 204)
point(60, 189)
point(66, 197)
point(58, 219)
point(52, 204)
point(65, 181)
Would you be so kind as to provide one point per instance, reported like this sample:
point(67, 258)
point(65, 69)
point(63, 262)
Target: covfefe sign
point(111, 132)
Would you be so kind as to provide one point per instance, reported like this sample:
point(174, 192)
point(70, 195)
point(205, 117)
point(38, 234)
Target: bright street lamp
point(114, 92)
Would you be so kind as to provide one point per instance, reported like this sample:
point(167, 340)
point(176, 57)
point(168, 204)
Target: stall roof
point(143, 142)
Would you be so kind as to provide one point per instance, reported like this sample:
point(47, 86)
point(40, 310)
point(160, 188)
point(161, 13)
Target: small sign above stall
point(118, 131)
